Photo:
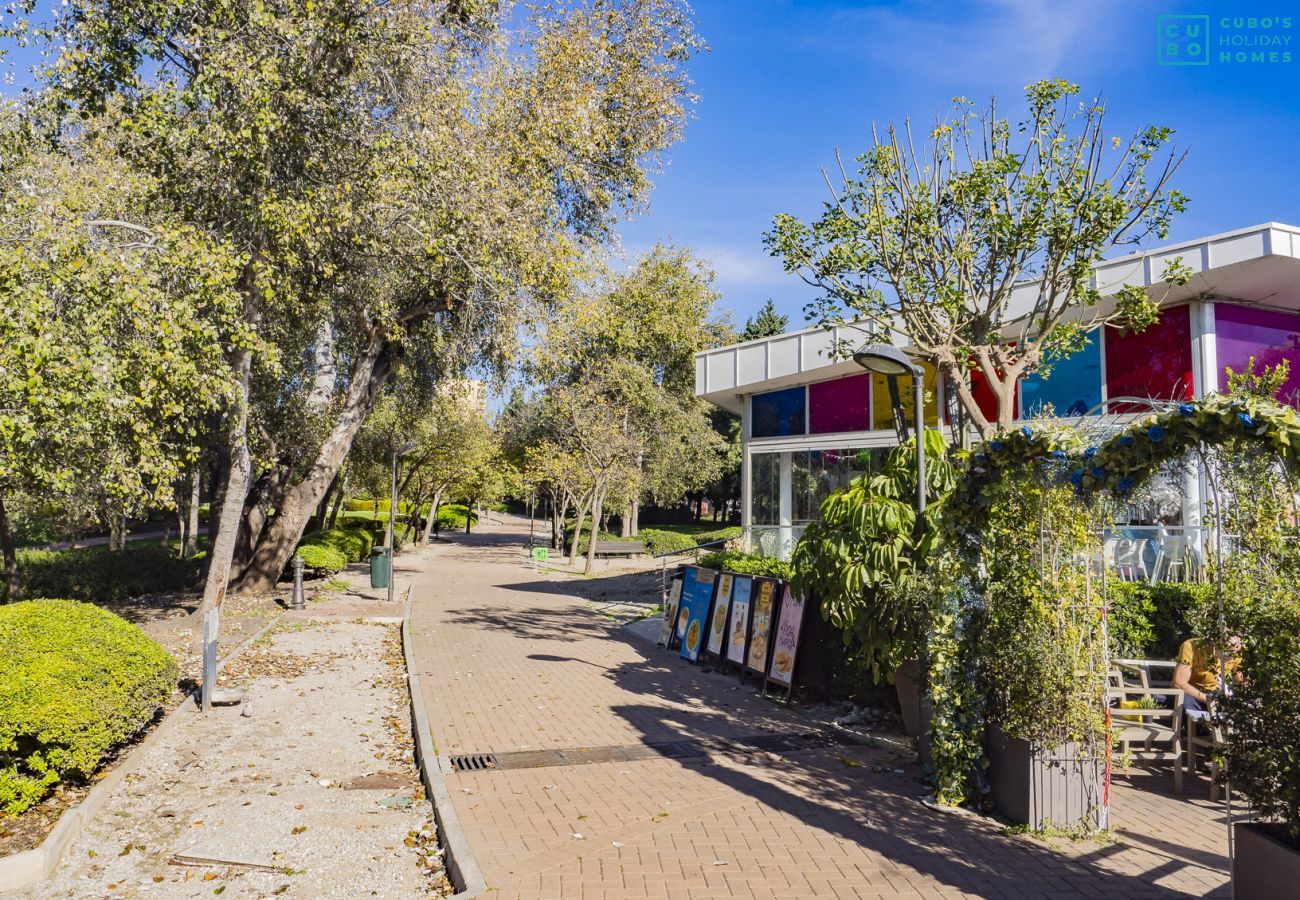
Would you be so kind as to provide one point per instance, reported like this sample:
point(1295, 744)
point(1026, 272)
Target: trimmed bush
point(748, 564)
point(360, 505)
point(98, 574)
point(320, 558)
point(451, 516)
point(1150, 621)
point(75, 681)
point(332, 549)
point(669, 540)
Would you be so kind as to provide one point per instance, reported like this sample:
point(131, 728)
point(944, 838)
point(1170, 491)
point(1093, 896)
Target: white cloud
point(739, 266)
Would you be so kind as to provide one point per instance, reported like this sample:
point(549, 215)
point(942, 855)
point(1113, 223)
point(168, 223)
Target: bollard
point(211, 626)
point(298, 602)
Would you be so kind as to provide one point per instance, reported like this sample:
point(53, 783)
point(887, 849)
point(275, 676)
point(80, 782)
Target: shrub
point(98, 574)
point(360, 505)
point(669, 540)
point(1150, 621)
point(451, 516)
point(75, 681)
point(321, 558)
point(748, 564)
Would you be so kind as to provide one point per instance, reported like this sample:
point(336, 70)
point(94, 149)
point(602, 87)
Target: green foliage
point(668, 539)
point(366, 505)
point(97, 574)
point(767, 323)
point(75, 681)
point(451, 516)
point(864, 559)
point(748, 564)
point(1150, 621)
point(332, 549)
point(951, 223)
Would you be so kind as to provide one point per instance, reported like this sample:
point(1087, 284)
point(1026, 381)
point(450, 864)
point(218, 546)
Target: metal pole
point(918, 397)
point(392, 514)
point(298, 602)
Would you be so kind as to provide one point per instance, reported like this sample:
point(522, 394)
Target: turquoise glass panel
point(1072, 387)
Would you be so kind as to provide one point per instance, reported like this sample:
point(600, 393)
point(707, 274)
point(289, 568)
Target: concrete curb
point(462, 869)
point(31, 867)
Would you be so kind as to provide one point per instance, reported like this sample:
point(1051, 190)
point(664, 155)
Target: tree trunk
point(636, 518)
point(340, 499)
point(323, 511)
point(469, 512)
point(221, 549)
point(577, 533)
point(166, 535)
point(597, 511)
point(13, 583)
point(373, 367)
point(433, 516)
point(192, 532)
point(180, 530)
point(625, 526)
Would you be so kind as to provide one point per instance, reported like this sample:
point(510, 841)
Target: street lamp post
point(398, 452)
point(888, 360)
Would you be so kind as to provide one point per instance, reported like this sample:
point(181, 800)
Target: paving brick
point(511, 660)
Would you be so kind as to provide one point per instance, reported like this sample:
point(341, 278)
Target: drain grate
point(743, 746)
point(474, 762)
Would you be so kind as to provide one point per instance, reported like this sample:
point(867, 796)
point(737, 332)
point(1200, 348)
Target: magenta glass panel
point(839, 405)
point(1152, 364)
point(1241, 332)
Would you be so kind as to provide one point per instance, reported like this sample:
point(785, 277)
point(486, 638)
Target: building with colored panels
point(811, 423)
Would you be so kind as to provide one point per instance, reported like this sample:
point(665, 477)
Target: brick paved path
point(513, 662)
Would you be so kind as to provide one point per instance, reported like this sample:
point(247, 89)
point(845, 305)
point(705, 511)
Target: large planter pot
point(1035, 786)
point(1265, 863)
point(915, 706)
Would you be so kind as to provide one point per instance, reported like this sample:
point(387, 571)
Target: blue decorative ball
point(1026, 431)
point(1246, 420)
point(1156, 433)
point(1186, 409)
point(1058, 454)
point(1077, 477)
point(1126, 441)
point(1125, 484)
point(1090, 453)
point(995, 446)
point(1098, 473)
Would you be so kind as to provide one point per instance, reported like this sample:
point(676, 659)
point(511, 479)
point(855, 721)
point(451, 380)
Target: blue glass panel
point(779, 413)
point(1072, 388)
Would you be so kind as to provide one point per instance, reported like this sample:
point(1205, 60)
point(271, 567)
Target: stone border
point(31, 867)
point(458, 859)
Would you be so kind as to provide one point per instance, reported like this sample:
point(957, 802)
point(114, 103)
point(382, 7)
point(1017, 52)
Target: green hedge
point(332, 549)
point(451, 516)
point(100, 575)
point(748, 564)
point(669, 540)
point(75, 681)
point(1150, 621)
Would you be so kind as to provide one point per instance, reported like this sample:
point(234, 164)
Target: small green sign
point(540, 553)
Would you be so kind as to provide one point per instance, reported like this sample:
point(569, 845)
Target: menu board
point(680, 612)
point(764, 600)
point(670, 610)
point(786, 644)
point(739, 631)
point(718, 619)
point(695, 612)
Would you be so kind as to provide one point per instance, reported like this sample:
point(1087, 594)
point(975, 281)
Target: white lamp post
point(392, 511)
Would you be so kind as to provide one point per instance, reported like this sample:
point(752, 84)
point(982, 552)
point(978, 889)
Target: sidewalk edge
point(459, 859)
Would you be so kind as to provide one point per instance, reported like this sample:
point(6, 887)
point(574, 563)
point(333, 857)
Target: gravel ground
point(316, 793)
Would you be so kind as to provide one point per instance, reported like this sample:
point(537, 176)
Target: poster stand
point(742, 592)
point(671, 604)
point(719, 618)
point(785, 639)
point(677, 627)
point(765, 601)
point(697, 612)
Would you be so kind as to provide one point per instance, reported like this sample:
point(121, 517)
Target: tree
point(767, 323)
point(399, 178)
point(949, 230)
point(113, 324)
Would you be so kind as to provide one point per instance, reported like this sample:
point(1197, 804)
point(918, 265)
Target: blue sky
point(785, 83)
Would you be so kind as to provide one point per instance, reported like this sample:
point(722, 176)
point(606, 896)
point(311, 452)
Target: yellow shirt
point(1203, 662)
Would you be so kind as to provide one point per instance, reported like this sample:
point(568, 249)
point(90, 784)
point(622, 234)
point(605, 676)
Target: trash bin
point(381, 566)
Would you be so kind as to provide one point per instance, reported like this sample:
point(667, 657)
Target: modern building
point(811, 423)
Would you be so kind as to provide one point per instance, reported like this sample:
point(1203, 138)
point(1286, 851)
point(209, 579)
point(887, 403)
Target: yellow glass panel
point(882, 416)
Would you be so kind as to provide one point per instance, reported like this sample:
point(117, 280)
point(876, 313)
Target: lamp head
point(404, 449)
point(885, 359)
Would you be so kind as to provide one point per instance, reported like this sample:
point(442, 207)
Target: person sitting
point(1197, 673)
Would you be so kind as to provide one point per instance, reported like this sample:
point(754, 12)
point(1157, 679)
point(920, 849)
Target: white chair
point(1129, 561)
point(1175, 556)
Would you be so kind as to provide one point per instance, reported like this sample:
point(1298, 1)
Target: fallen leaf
point(851, 763)
point(299, 829)
point(209, 876)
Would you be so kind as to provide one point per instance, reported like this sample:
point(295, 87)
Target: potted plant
point(1261, 719)
point(861, 561)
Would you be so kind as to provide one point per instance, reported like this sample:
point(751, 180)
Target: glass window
point(765, 490)
point(1071, 388)
point(1152, 364)
point(778, 413)
point(816, 474)
point(1242, 332)
point(839, 405)
point(883, 409)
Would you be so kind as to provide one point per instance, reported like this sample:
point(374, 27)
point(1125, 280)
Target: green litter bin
point(381, 566)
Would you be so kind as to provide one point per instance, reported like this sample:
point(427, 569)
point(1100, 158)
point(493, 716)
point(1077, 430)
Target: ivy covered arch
point(1114, 467)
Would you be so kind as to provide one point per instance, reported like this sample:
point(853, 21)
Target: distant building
point(469, 392)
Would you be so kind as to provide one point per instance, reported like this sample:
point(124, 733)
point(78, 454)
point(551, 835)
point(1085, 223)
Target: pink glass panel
point(1242, 332)
point(839, 405)
point(1155, 363)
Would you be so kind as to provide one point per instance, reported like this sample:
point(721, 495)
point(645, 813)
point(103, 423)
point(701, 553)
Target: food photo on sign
point(739, 633)
point(694, 615)
point(786, 645)
point(762, 625)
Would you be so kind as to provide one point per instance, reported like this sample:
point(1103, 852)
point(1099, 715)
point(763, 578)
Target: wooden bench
point(619, 548)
